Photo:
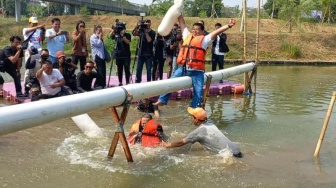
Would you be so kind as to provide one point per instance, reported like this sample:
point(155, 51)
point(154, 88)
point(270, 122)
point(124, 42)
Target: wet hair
point(55, 20)
point(12, 38)
point(147, 116)
point(78, 23)
point(218, 24)
point(199, 25)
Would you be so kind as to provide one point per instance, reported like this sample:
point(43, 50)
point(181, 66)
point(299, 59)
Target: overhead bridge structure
point(122, 7)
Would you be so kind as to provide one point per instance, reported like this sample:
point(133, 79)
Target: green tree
point(10, 6)
point(160, 7)
point(55, 9)
point(84, 11)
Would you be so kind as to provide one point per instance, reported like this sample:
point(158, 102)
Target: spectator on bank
point(56, 39)
point(145, 54)
point(219, 47)
point(98, 55)
point(159, 57)
point(85, 78)
point(33, 64)
point(37, 33)
point(79, 45)
point(122, 54)
point(204, 31)
point(11, 57)
point(51, 81)
point(67, 69)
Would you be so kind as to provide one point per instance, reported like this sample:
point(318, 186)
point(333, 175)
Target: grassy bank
point(308, 42)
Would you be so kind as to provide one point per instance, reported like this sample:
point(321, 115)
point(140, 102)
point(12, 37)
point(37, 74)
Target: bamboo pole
point(245, 36)
point(325, 125)
point(257, 48)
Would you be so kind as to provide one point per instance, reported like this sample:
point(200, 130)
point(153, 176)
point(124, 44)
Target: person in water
point(146, 131)
point(206, 134)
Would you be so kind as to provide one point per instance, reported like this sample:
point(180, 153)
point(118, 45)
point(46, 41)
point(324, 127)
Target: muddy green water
point(277, 130)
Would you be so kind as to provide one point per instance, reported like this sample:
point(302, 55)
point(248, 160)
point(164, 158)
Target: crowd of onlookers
point(50, 73)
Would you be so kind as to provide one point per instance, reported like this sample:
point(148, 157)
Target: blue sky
point(250, 3)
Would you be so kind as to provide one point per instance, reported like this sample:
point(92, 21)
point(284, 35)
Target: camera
point(34, 50)
point(32, 81)
point(119, 26)
point(142, 25)
point(176, 31)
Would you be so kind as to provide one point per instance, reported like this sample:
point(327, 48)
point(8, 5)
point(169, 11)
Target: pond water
point(277, 130)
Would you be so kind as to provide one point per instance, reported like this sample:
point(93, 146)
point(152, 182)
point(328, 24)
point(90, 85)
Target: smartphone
point(64, 32)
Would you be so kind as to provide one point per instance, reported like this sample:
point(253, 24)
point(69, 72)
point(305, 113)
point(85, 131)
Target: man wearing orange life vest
point(146, 131)
point(191, 58)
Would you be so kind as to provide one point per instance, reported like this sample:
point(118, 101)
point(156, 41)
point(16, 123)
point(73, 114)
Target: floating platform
point(217, 88)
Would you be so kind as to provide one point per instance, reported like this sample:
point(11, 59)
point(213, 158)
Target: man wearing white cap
point(206, 134)
point(37, 32)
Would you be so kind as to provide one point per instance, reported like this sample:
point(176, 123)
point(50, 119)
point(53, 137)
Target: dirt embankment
point(307, 43)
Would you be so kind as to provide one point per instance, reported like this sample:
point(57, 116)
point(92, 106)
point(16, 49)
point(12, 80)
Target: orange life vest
point(192, 53)
point(149, 135)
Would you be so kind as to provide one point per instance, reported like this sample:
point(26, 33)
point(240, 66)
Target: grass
point(293, 50)
point(272, 44)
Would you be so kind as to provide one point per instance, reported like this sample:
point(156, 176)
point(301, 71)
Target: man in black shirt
point(122, 53)
point(12, 60)
point(85, 77)
point(145, 53)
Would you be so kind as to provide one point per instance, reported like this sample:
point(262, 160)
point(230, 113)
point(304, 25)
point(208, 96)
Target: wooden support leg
point(206, 90)
point(126, 147)
point(325, 125)
point(113, 144)
point(249, 79)
point(119, 134)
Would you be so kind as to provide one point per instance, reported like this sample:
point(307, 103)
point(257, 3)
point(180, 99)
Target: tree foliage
point(297, 9)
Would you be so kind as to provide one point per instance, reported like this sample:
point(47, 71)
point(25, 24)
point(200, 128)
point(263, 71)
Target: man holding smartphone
point(56, 39)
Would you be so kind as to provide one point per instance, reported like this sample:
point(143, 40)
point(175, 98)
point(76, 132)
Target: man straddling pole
point(191, 58)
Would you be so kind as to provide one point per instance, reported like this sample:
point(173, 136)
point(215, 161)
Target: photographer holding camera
point(175, 42)
point(33, 64)
point(37, 33)
point(79, 45)
point(56, 39)
point(67, 69)
point(11, 58)
point(145, 47)
point(122, 51)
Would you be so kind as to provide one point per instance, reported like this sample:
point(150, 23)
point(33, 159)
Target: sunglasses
point(82, 26)
point(88, 67)
point(61, 57)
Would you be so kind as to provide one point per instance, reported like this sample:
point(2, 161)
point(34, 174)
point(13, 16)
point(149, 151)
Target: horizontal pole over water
point(23, 116)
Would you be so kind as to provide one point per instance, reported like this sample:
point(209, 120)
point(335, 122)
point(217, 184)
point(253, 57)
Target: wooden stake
point(325, 125)
point(206, 90)
point(245, 36)
point(257, 50)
